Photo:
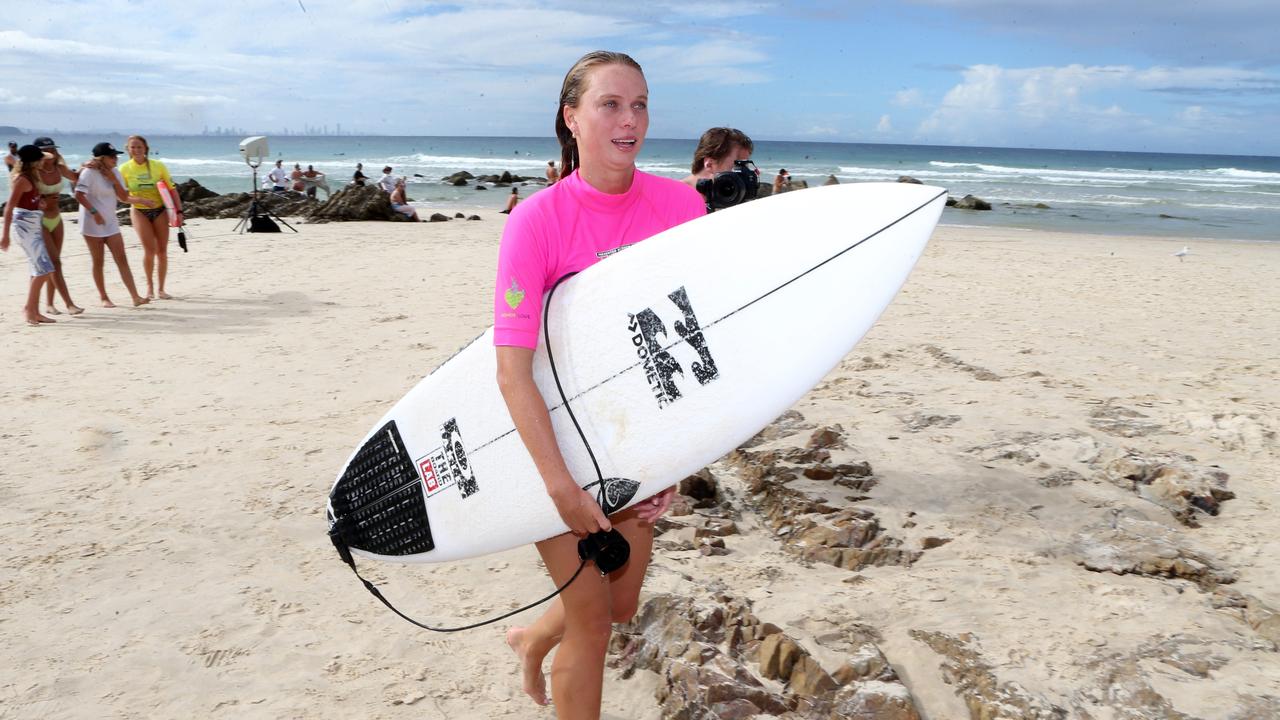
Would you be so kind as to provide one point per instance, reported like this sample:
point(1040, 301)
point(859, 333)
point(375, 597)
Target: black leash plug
point(608, 549)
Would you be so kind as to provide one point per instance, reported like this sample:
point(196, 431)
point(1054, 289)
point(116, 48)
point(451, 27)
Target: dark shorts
point(152, 213)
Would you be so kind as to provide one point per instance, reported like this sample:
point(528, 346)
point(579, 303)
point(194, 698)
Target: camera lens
point(729, 190)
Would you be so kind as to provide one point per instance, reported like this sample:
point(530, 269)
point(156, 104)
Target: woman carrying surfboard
point(601, 204)
point(150, 222)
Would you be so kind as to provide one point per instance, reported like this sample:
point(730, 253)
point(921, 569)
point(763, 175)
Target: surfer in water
point(601, 204)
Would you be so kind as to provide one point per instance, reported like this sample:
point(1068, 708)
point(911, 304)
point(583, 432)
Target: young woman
point(97, 191)
point(49, 176)
point(601, 204)
point(400, 202)
point(716, 151)
point(512, 200)
point(23, 213)
point(150, 220)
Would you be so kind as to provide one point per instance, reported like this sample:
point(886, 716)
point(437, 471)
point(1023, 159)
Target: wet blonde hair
point(575, 84)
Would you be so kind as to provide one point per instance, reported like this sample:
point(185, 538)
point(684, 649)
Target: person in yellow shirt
point(150, 222)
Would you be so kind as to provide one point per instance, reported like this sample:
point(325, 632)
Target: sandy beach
point(1048, 418)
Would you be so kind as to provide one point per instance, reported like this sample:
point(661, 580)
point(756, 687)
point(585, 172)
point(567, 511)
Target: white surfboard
point(671, 353)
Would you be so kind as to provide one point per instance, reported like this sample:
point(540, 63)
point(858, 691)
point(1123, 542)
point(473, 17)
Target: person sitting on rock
point(511, 201)
point(552, 173)
point(359, 177)
point(400, 203)
point(781, 181)
point(388, 181)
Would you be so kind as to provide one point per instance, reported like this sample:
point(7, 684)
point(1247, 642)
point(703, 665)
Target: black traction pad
point(378, 504)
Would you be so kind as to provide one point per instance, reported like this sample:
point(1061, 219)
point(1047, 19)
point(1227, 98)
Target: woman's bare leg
point(160, 230)
point(116, 244)
point(147, 236)
point(32, 309)
point(53, 242)
point(97, 250)
point(532, 644)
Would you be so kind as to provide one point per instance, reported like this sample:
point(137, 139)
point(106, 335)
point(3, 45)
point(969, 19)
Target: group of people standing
point(38, 173)
point(299, 180)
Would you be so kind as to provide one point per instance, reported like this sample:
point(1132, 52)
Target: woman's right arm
point(20, 186)
point(577, 507)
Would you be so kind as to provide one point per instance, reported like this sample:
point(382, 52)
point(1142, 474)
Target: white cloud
point(202, 99)
point(885, 125)
point(908, 98)
point(93, 97)
point(997, 104)
point(8, 97)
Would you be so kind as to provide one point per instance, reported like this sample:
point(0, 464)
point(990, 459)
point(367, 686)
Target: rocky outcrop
point(191, 191)
point(714, 657)
point(1115, 419)
point(355, 202)
point(909, 179)
point(808, 526)
point(234, 205)
point(974, 680)
point(1126, 544)
point(1172, 481)
point(831, 180)
point(968, 202)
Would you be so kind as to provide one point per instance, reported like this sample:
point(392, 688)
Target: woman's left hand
point(655, 507)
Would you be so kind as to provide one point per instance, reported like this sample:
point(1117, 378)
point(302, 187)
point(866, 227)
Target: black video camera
point(731, 187)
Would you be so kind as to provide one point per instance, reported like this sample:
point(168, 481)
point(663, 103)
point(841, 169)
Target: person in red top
point(601, 204)
point(23, 212)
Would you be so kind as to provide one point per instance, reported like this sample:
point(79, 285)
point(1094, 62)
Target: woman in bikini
point(22, 213)
point(49, 176)
point(150, 222)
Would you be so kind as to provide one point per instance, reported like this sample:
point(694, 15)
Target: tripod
point(257, 210)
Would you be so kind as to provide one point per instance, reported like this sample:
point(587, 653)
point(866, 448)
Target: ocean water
point(1213, 196)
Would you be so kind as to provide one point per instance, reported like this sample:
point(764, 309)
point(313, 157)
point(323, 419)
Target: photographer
point(722, 169)
point(717, 149)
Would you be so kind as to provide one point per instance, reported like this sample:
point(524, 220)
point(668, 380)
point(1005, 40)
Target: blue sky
point(1087, 74)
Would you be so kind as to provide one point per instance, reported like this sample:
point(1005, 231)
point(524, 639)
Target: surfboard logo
point(648, 333)
point(447, 465)
point(616, 494)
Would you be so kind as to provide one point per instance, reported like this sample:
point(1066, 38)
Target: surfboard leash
point(609, 550)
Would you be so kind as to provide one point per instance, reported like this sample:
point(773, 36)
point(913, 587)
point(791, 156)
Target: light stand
point(254, 151)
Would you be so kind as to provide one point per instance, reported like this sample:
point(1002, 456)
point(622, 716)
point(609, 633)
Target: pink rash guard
point(569, 227)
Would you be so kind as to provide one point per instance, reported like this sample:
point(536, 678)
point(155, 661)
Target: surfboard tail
point(377, 506)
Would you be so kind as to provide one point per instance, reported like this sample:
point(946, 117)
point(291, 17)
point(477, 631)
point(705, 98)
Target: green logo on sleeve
point(515, 295)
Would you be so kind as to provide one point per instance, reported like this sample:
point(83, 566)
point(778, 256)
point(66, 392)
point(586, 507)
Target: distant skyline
point(1086, 75)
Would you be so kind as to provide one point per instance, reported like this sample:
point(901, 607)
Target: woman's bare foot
point(535, 683)
point(43, 319)
point(165, 296)
point(53, 310)
point(139, 300)
point(106, 303)
point(74, 309)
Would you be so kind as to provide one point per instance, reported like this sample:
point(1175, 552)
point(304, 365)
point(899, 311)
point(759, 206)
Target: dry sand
point(164, 473)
